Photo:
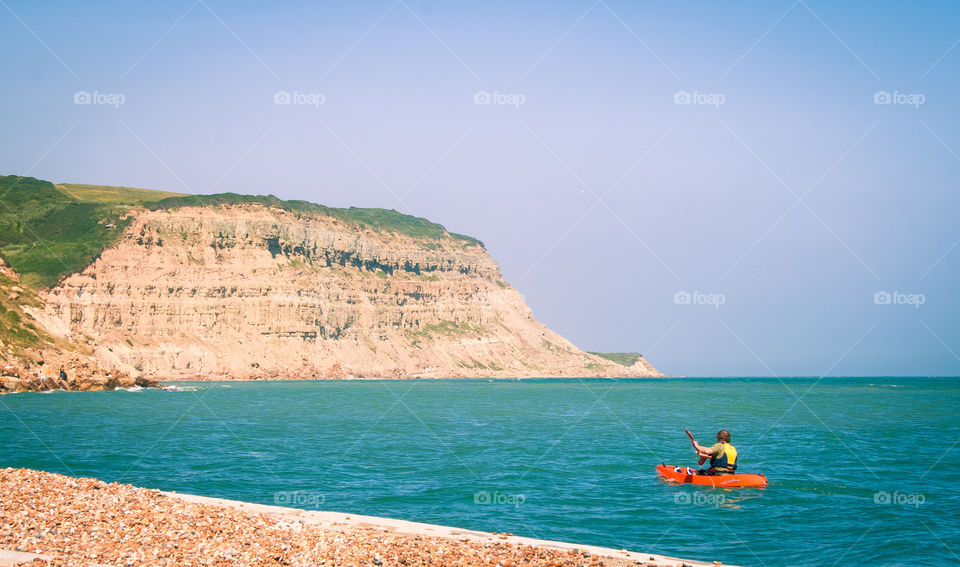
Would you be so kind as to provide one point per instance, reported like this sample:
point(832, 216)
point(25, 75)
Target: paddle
point(690, 435)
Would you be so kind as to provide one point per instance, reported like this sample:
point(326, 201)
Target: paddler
point(722, 455)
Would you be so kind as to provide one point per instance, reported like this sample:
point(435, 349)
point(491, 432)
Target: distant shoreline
point(160, 385)
point(556, 378)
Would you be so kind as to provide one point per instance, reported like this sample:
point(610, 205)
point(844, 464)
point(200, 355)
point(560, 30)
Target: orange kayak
point(687, 475)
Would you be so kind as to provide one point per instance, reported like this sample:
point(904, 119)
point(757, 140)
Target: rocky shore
point(81, 373)
point(84, 521)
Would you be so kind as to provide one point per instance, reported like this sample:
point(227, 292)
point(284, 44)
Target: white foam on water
point(172, 388)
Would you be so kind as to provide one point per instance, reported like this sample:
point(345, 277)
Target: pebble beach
point(84, 521)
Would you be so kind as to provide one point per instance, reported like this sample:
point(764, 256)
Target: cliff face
point(248, 291)
point(31, 360)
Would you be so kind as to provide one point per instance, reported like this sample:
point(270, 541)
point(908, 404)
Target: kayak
point(687, 475)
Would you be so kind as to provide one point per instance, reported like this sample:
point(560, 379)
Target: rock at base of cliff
point(40, 372)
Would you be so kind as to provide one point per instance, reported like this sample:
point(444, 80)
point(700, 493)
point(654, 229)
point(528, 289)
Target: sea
point(862, 471)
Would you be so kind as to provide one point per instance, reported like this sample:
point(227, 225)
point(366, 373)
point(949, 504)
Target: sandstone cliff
point(31, 359)
point(252, 291)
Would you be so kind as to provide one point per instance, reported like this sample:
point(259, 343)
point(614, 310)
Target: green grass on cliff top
point(623, 358)
point(50, 231)
point(46, 234)
point(385, 220)
point(118, 195)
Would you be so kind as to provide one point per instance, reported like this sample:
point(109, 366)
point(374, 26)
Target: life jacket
point(727, 462)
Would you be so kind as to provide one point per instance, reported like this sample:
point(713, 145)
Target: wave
point(172, 388)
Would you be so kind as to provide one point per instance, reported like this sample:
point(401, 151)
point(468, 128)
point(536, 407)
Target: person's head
point(723, 436)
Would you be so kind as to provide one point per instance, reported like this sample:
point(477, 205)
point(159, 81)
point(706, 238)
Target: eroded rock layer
point(249, 291)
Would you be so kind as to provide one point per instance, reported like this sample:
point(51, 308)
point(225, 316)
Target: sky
point(731, 189)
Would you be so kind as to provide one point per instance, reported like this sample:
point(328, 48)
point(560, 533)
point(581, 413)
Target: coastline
point(69, 521)
point(342, 520)
point(12, 385)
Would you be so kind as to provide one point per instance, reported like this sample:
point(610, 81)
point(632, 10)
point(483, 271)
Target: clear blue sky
point(781, 189)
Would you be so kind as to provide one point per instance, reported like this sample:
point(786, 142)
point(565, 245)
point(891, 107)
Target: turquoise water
point(862, 470)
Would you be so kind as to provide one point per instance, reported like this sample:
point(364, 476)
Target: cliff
point(255, 291)
point(124, 283)
point(31, 359)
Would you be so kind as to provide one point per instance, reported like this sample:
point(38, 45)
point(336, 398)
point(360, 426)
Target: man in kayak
point(722, 455)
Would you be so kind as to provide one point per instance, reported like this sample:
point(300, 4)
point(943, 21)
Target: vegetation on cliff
point(18, 330)
point(118, 195)
point(46, 234)
point(622, 358)
point(49, 231)
point(381, 220)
